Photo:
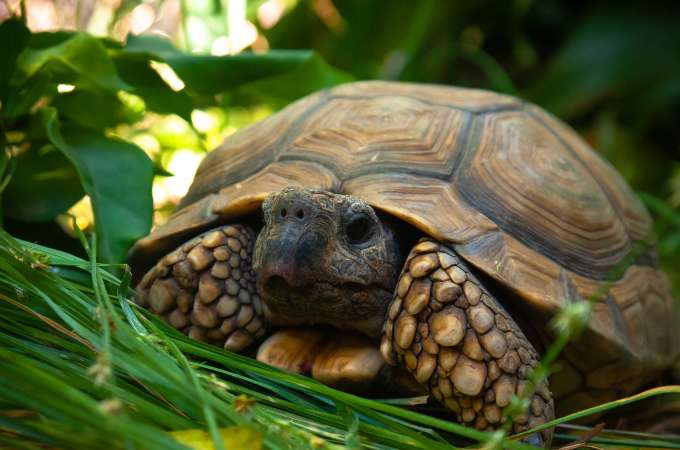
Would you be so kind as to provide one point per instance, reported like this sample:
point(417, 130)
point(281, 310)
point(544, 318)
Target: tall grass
point(81, 367)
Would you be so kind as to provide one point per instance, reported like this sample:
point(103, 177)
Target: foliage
point(63, 95)
point(83, 367)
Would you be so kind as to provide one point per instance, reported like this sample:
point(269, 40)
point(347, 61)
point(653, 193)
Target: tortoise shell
point(516, 192)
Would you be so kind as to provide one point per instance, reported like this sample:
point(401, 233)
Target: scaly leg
point(459, 342)
point(206, 288)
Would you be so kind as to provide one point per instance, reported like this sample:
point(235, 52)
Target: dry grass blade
point(48, 321)
point(662, 390)
point(582, 441)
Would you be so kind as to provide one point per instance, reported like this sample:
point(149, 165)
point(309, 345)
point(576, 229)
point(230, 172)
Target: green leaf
point(117, 176)
point(79, 59)
point(45, 39)
point(172, 132)
point(20, 100)
point(94, 109)
point(209, 75)
point(311, 75)
point(44, 184)
point(137, 72)
point(7, 167)
point(14, 37)
point(150, 45)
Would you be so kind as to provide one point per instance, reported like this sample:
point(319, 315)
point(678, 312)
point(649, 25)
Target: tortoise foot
point(459, 342)
point(206, 288)
point(344, 360)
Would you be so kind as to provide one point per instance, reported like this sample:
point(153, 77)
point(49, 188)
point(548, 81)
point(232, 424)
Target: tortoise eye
point(359, 230)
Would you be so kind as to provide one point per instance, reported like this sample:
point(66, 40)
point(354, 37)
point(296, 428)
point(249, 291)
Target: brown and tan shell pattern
point(512, 189)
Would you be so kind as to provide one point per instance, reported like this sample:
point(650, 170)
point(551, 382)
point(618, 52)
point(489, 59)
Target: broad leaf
point(137, 72)
point(117, 176)
point(44, 184)
point(94, 109)
point(150, 45)
point(44, 40)
point(20, 100)
point(209, 75)
point(310, 76)
point(79, 59)
point(14, 37)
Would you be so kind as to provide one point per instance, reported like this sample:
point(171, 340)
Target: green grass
point(82, 367)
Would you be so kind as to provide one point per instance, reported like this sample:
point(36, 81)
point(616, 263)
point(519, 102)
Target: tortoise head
point(325, 258)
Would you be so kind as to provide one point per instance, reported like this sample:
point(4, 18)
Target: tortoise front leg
point(459, 342)
point(206, 288)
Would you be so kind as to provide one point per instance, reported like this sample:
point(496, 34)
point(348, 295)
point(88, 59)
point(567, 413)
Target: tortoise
point(439, 229)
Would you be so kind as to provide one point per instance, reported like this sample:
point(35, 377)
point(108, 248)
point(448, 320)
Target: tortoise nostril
point(276, 283)
point(299, 212)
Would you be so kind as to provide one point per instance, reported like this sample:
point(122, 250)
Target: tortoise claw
point(344, 360)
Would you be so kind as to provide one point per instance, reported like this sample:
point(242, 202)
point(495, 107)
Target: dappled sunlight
point(243, 34)
point(64, 88)
point(79, 215)
point(177, 147)
point(142, 18)
point(168, 75)
point(182, 164)
point(270, 12)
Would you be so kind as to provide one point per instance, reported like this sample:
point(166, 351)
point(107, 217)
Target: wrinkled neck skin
point(325, 258)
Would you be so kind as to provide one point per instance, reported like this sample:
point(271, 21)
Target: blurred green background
point(611, 69)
